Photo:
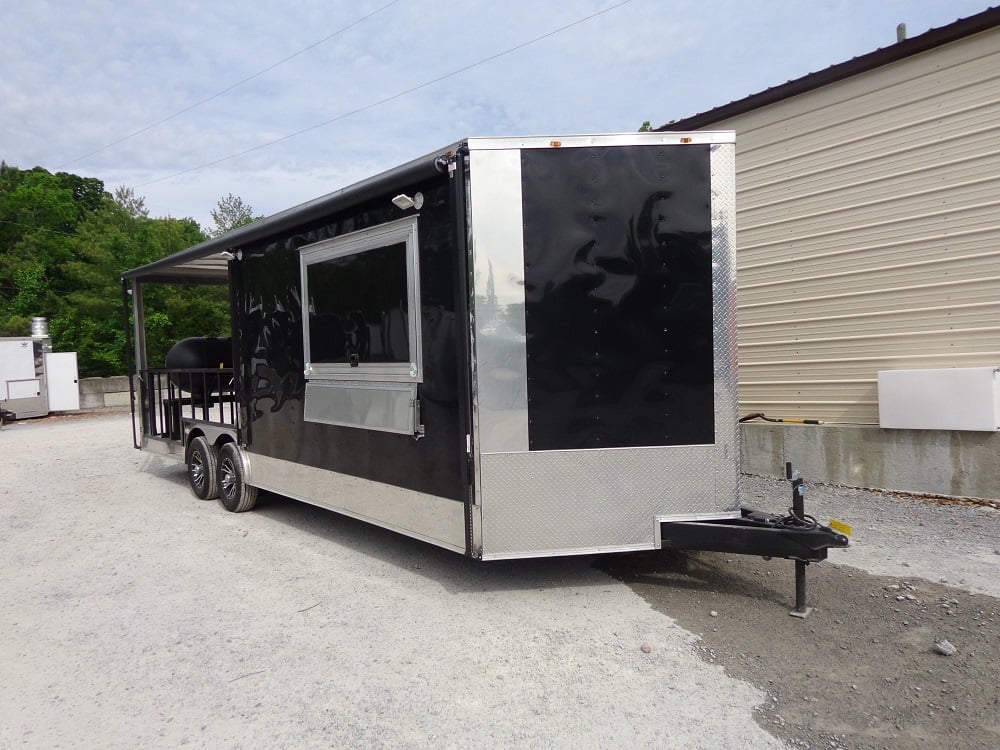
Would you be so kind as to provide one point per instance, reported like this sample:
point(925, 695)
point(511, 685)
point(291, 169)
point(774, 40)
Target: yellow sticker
point(840, 527)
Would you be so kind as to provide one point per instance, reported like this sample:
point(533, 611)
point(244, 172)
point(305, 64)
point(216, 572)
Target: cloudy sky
point(391, 80)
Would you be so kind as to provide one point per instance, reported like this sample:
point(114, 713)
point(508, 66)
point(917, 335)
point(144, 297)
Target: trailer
point(34, 380)
point(512, 347)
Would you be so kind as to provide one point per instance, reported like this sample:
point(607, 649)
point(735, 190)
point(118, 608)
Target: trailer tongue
point(793, 536)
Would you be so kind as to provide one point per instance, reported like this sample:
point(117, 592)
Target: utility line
point(387, 99)
point(226, 90)
point(35, 227)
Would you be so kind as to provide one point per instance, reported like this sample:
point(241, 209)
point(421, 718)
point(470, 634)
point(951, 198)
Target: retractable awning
point(208, 262)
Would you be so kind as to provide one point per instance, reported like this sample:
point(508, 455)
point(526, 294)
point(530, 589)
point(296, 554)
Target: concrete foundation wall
point(961, 464)
point(103, 393)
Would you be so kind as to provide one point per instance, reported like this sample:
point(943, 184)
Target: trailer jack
point(794, 536)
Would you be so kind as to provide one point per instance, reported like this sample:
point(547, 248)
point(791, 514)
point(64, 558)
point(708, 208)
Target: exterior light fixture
point(404, 201)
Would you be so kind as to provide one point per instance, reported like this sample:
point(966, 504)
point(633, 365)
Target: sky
point(391, 79)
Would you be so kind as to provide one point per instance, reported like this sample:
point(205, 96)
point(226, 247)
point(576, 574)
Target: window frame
point(401, 231)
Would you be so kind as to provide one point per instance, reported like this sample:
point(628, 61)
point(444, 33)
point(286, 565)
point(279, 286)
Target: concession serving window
point(361, 328)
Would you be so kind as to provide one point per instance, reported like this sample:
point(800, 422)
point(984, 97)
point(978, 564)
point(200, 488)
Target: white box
point(61, 381)
point(957, 398)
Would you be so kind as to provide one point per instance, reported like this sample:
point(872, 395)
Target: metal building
point(869, 240)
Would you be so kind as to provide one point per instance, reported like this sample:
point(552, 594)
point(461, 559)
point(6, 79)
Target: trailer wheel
point(203, 465)
point(235, 494)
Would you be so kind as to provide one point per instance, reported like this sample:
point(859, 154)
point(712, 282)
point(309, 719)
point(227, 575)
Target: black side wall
point(618, 296)
point(268, 330)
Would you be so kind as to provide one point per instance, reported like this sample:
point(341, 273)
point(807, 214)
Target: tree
point(645, 127)
point(39, 213)
point(130, 203)
point(230, 212)
point(118, 237)
point(64, 243)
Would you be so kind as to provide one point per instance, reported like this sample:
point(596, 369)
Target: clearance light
point(555, 144)
point(685, 140)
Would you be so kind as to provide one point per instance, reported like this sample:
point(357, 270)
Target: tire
point(235, 494)
point(202, 468)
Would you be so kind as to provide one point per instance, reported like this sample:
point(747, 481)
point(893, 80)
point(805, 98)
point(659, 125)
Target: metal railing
point(167, 397)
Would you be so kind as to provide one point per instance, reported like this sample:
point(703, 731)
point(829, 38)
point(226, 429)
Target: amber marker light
point(685, 140)
point(555, 144)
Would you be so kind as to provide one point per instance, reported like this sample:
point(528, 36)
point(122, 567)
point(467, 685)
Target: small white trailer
point(34, 380)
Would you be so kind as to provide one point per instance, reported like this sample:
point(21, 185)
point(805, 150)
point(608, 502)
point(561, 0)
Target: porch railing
point(167, 397)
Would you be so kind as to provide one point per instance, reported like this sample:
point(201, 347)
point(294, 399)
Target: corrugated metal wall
point(869, 232)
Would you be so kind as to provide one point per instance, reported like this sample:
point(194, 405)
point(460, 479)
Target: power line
point(35, 227)
point(387, 99)
point(226, 90)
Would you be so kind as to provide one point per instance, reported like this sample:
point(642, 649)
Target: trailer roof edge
point(196, 264)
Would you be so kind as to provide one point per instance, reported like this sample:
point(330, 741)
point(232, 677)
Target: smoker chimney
point(39, 328)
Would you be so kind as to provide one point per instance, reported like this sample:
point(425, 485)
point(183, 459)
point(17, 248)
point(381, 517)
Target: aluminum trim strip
point(437, 520)
point(497, 249)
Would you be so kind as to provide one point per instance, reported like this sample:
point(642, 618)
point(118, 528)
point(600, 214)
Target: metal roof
point(207, 262)
point(960, 29)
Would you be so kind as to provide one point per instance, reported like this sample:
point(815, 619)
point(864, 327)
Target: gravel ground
point(862, 671)
point(135, 615)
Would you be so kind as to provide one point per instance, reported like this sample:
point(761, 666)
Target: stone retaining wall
point(104, 393)
point(931, 462)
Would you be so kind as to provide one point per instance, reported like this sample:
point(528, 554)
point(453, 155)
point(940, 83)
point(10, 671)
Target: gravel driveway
point(134, 615)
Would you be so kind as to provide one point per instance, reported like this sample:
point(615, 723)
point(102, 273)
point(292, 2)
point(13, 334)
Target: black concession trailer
point(513, 347)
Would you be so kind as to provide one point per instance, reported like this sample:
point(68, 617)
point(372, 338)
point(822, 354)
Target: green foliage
point(64, 243)
point(646, 126)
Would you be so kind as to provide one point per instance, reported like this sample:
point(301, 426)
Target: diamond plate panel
point(561, 502)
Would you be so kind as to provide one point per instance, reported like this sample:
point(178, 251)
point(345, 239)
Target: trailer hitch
point(794, 536)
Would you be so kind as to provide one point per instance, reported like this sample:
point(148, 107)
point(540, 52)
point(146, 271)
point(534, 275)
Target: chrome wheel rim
point(227, 481)
point(197, 470)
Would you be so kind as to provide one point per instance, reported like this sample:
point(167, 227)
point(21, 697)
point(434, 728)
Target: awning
point(208, 262)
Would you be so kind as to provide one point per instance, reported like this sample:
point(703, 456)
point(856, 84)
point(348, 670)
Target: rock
point(945, 648)
point(713, 613)
point(645, 648)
